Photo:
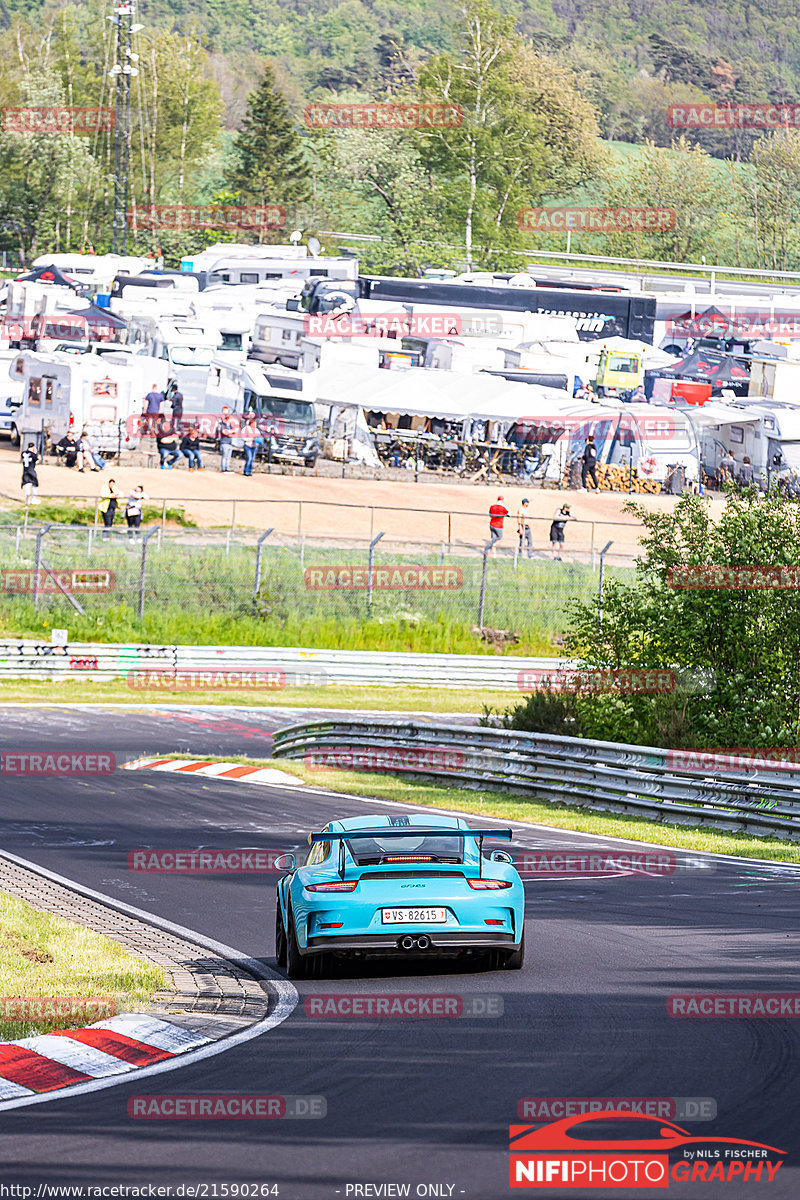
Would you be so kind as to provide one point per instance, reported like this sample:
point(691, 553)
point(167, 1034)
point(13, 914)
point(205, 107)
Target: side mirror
point(501, 856)
point(284, 862)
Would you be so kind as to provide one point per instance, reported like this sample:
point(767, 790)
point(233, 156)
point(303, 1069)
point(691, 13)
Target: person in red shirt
point(497, 514)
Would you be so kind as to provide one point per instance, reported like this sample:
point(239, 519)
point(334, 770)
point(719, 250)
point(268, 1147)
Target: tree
point(270, 165)
point(524, 132)
point(735, 654)
point(770, 199)
point(683, 179)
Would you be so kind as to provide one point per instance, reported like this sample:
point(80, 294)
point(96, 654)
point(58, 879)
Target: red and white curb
point(166, 1044)
point(212, 768)
point(50, 1061)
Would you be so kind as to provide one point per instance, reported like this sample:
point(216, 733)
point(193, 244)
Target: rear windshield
point(369, 850)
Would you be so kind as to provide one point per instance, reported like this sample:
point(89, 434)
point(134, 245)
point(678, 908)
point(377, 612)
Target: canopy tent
point(720, 370)
point(56, 276)
point(653, 358)
point(99, 318)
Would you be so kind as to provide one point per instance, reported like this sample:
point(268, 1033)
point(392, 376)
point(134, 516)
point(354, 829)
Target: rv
point(98, 270)
point(67, 391)
point(282, 400)
point(186, 345)
point(278, 336)
point(234, 263)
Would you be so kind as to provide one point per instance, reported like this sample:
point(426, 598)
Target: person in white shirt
point(523, 528)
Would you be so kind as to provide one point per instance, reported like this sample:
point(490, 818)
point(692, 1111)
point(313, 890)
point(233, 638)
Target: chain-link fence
point(276, 590)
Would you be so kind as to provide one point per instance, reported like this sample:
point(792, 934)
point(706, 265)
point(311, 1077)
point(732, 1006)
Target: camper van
point(67, 391)
point(235, 263)
point(277, 336)
point(282, 400)
point(186, 345)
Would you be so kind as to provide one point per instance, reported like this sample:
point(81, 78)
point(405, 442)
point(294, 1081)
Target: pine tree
point(269, 162)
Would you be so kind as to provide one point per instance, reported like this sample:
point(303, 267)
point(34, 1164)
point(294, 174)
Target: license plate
point(407, 916)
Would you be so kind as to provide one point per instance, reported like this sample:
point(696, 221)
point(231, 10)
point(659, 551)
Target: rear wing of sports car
point(404, 831)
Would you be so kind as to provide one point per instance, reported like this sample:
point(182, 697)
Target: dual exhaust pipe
point(414, 943)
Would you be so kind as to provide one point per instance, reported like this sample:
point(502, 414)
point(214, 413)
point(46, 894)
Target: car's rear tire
point(280, 937)
point(296, 965)
point(516, 959)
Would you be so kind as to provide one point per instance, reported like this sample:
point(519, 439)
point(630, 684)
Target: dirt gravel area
point(329, 507)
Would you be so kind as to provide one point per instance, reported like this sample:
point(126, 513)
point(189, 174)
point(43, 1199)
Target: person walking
point(225, 432)
point(557, 531)
point(497, 514)
point(30, 480)
point(589, 463)
point(109, 499)
point(133, 511)
point(190, 448)
point(523, 528)
point(253, 438)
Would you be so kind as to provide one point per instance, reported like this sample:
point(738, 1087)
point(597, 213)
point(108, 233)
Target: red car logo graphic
point(557, 1136)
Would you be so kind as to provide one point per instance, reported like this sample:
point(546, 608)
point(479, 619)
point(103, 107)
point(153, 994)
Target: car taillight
point(339, 886)
point(408, 858)
point(488, 885)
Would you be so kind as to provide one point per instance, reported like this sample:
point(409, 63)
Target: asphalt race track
point(418, 1102)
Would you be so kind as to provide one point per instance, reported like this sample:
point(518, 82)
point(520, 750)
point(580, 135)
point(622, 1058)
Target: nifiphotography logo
point(578, 1152)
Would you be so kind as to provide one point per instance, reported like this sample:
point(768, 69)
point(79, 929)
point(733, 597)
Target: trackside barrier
point(301, 667)
point(607, 776)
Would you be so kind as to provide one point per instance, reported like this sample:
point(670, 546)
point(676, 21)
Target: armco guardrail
point(300, 667)
point(608, 776)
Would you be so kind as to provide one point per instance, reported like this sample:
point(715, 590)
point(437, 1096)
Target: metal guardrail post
point(257, 581)
point(143, 569)
point(603, 553)
point(482, 599)
point(370, 569)
point(37, 561)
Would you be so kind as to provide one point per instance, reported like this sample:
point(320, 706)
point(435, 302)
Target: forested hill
point(734, 48)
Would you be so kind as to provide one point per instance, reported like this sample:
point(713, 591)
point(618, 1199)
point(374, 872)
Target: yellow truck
point(618, 371)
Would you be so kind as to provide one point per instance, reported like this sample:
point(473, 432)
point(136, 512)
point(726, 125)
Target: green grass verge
point(487, 803)
point(379, 699)
point(44, 955)
point(198, 594)
point(64, 513)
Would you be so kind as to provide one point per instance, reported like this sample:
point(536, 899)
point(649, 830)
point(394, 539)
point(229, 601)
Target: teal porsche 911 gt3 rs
point(401, 886)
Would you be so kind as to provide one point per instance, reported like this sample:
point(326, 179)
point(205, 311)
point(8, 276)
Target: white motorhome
point(278, 336)
point(235, 263)
point(67, 391)
point(282, 401)
point(186, 345)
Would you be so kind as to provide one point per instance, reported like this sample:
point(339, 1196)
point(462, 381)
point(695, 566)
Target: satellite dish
point(314, 246)
point(295, 237)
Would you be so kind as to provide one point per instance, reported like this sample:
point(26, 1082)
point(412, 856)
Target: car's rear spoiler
point(404, 831)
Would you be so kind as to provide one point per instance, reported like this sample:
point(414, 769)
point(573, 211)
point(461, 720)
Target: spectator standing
point(133, 511)
point(523, 528)
point(109, 499)
point(253, 438)
point(30, 480)
point(177, 408)
point(746, 473)
point(190, 448)
point(497, 515)
point(90, 452)
point(557, 531)
point(167, 442)
point(589, 463)
point(727, 468)
point(225, 432)
point(152, 407)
